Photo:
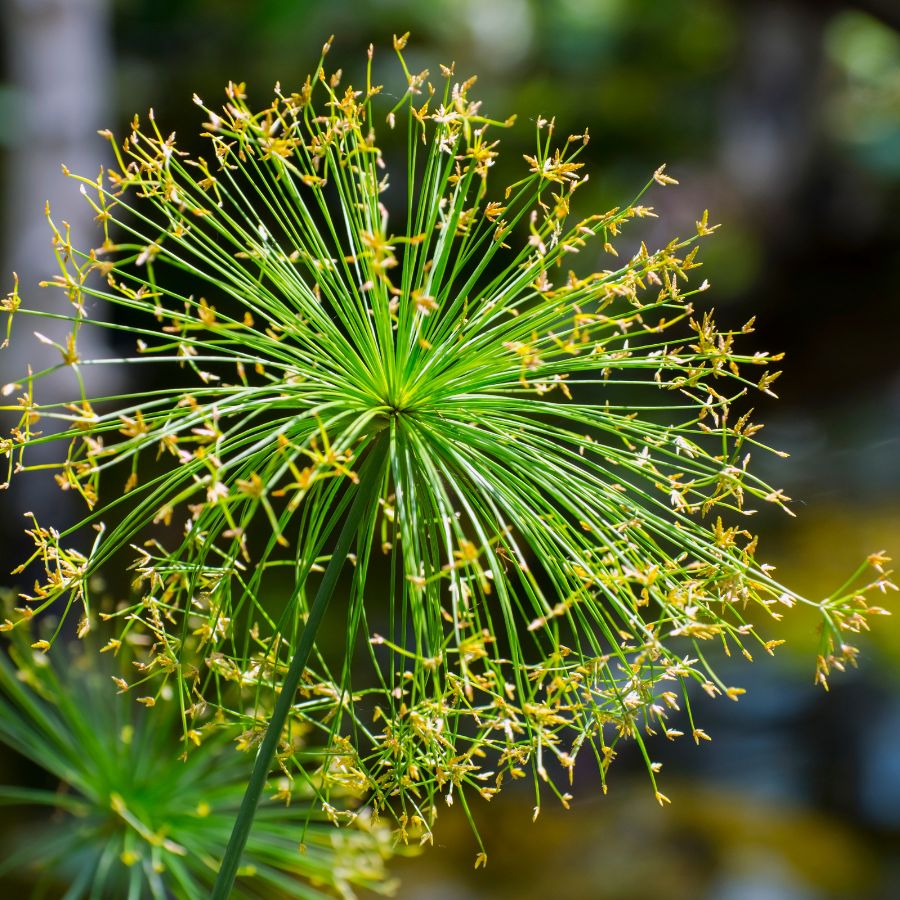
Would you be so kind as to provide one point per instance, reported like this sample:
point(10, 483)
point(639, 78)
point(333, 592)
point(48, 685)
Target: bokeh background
point(780, 116)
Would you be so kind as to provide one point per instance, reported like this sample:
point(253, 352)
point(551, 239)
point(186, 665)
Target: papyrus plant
point(526, 455)
point(131, 818)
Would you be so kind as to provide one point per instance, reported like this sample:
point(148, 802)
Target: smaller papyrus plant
point(132, 818)
point(530, 454)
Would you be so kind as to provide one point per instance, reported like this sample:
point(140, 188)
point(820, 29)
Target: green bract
point(550, 469)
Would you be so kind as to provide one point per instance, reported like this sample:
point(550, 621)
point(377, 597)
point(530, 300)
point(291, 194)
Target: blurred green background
point(780, 116)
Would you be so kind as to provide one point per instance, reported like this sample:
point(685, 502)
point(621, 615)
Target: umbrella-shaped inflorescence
point(132, 818)
point(542, 447)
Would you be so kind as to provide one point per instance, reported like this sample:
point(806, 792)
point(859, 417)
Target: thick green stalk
point(369, 482)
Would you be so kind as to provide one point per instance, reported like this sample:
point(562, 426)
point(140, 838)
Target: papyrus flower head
point(558, 435)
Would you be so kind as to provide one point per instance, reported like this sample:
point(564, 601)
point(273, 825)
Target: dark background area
point(780, 116)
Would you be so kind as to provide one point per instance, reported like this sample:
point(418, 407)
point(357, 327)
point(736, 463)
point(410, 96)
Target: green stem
point(369, 483)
